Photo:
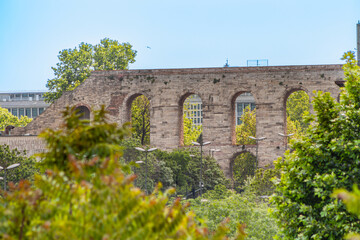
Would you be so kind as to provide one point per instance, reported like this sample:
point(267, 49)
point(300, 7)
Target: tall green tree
point(140, 119)
point(243, 166)
point(297, 106)
point(247, 127)
point(6, 119)
point(327, 158)
point(75, 65)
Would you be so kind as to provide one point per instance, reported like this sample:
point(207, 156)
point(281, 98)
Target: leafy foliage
point(243, 166)
point(352, 202)
point(82, 140)
point(297, 107)
point(237, 208)
point(191, 130)
point(140, 119)
point(6, 119)
point(179, 168)
point(262, 183)
point(75, 65)
point(27, 167)
point(86, 195)
point(327, 158)
point(247, 127)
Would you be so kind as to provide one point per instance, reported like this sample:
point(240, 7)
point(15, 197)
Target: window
point(21, 112)
point(34, 112)
point(28, 112)
point(14, 111)
point(41, 110)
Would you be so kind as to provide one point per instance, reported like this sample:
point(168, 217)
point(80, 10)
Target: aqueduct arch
point(217, 87)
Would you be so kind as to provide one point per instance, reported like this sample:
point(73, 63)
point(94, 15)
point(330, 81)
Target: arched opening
point(297, 105)
point(83, 112)
point(244, 118)
point(191, 118)
point(139, 114)
point(242, 166)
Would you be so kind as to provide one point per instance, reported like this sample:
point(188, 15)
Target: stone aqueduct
point(168, 88)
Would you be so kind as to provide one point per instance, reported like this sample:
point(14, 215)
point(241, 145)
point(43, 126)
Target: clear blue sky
point(181, 34)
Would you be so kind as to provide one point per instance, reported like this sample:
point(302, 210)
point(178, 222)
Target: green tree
point(140, 119)
point(238, 208)
point(179, 168)
point(27, 167)
point(327, 158)
point(191, 130)
point(86, 193)
point(297, 106)
point(75, 65)
point(243, 166)
point(6, 119)
point(352, 202)
point(247, 127)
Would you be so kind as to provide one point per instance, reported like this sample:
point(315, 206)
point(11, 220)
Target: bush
point(87, 193)
point(328, 157)
point(214, 208)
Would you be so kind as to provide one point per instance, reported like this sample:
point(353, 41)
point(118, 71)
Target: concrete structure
point(218, 88)
point(26, 103)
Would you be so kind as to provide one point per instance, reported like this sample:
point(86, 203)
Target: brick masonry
point(218, 88)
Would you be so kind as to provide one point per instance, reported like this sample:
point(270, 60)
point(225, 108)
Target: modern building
point(26, 103)
point(193, 107)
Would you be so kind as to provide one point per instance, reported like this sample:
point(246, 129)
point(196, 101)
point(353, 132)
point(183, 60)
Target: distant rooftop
point(23, 91)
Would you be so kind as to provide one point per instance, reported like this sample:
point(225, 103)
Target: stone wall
point(32, 144)
point(218, 88)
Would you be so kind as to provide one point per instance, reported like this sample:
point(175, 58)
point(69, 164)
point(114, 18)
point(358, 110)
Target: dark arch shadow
point(83, 111)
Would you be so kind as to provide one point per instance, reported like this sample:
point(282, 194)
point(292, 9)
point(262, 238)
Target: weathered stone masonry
point(218, 88)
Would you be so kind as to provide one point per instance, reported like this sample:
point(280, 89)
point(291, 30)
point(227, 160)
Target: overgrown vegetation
point(86, 193)
point(179, 168)
point(27, 167)
point(6, 119)
point(327, 158)
point(221, 203)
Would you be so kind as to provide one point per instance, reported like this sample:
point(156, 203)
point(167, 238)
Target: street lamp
point(201, 144)
point(7, 168)
point(286, 138)
point(257, 147)
point(146, 165)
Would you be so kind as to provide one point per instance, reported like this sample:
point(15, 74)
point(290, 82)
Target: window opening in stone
point(297, 105)
point(84, 113)
point(192, 119)
point(140, 119)
point(242, 166)
point(245, 118)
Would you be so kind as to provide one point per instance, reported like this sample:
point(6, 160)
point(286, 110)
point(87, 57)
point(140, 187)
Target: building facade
point(26, 103)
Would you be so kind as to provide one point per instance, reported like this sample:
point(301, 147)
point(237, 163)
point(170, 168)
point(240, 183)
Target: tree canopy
point(75, 65)
point(326, 158)
point(27, 167)
point(140, 119)
point(6, 119)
